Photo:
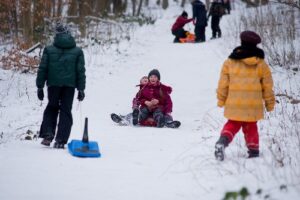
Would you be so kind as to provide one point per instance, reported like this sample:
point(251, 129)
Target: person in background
point(177, 28)
point(200, 20)
point(216, 12)
point(62, 68)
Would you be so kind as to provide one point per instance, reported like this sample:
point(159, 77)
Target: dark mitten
point(40, 94)
point(81, 95)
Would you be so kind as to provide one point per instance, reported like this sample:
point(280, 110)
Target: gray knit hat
point(154, 72)
point(61, 28)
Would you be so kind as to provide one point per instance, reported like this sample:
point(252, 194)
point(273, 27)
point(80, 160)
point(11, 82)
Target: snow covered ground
point(136, 163)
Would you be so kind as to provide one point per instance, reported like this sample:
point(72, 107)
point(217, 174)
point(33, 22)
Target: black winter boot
point(160, 121)
point(47, 139)
point(253, 153)
point(173, 124)
point(220, 147)
point(46, 142)
point(135, 116)
point(116, 118)
point(59, 145)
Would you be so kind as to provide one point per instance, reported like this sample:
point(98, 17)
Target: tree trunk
point(133, 7)
point(117, 7)
point(4, 17)
point(15, 19)
point(139, 8)
point(100, 7)
point(38, 20)
point(85, 9)
point(59, 8)
point(26, 20)
point(183, 3)
point(165, 4)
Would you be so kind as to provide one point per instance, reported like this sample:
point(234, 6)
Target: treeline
point(26, 20)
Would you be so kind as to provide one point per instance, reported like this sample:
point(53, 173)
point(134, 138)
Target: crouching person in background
point(244, 88)
point(62, 68)
point(177, 28)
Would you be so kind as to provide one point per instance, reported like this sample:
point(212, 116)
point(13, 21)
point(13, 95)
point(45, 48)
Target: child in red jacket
point(155, 100)
point(136, 104)
point(177, 28)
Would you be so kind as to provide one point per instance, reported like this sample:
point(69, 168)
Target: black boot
point(135, 116)
point(47, 139)
point(160, 121)
point(253, 153)
point(173, 124)
point(59, 145)
point(46, 142)
point(220, 147)
point(116, 118)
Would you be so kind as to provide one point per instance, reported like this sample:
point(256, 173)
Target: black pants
point(145, 113)
point(200, 33)
point(180, 33)
point(60, 102)
point(215, 26)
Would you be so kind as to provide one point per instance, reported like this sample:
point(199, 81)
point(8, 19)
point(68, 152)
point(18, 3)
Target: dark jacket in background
point(199, 13)
point(216, 9)
point(62, 64)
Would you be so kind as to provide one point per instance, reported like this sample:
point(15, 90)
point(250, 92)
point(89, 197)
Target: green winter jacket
point(62, 64)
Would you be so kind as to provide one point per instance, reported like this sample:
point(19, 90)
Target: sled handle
point(85, 137)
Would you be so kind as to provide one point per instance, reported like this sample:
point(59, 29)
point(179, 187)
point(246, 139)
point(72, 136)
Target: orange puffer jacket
point(245, 86)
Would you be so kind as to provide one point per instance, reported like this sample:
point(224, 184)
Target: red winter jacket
point(135, 100)
point(180, 22)
point(160, 92)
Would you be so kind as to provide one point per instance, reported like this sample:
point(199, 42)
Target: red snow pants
point(231, 128)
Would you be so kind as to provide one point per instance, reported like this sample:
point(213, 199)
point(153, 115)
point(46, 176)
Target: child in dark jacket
point(177, 28)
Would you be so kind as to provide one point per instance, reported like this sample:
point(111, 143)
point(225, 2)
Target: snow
point(137, 162)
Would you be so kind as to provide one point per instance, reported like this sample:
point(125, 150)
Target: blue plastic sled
point(84, 148)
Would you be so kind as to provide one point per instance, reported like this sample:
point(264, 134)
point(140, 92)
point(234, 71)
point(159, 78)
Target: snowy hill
point(136, 163)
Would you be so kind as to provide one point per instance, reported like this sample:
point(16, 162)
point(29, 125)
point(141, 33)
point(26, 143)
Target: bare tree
point(139, 8)
point(38, 20)
point(133, 7)
point(26, 20)
point(165, 4)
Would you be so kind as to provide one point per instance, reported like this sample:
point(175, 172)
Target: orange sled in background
point(190, 38)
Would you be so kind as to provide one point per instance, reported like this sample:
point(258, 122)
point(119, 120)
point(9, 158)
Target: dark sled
point(84, 148)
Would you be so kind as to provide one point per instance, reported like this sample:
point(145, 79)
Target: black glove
point(81, 95)
point(40, 94)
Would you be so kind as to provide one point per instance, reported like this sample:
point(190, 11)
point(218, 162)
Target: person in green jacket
point(62, 68)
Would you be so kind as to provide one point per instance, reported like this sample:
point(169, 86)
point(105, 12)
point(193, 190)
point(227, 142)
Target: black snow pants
point(215, 26)
point(180, 33)
point(145, 113)
point(60, 103)
point(200, 33)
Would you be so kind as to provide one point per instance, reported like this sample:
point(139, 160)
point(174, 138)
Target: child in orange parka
point(245, 88)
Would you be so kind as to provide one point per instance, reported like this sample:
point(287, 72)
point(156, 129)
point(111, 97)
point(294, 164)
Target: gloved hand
point(154, 101)
point(40, 94)
point(81, 95)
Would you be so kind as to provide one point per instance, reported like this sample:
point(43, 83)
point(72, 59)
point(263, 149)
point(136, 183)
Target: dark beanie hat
point(154, 72)
point(250, 38)
point(184, 14)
